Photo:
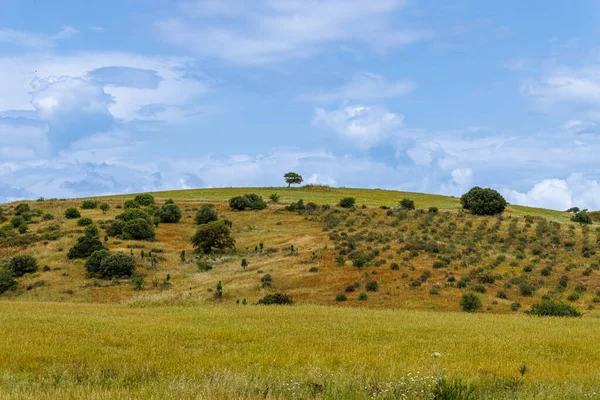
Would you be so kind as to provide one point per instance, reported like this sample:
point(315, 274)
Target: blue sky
point(419, 95)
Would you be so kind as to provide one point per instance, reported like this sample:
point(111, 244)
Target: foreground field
point(61, 350)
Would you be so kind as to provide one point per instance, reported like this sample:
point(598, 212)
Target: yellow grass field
point(185, 351)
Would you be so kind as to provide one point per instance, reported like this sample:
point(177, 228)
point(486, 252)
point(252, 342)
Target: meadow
point(376, 290)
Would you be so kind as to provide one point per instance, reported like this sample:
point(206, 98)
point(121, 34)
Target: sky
point(106, 97)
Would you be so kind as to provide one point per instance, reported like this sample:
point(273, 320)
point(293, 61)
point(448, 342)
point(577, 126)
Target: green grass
point(217, 351)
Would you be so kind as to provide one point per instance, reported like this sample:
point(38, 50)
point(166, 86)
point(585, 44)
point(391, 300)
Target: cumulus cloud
point(561, 194)
point(264, 31)
point(364, 126)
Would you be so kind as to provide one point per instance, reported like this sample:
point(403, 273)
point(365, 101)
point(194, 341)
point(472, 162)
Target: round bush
point(347, 202)
point(94, 262)
point(7, 281)
point(407, 204)
point(84, 221)
point(72, 213)
point(117, 265)
point(170, 213)
point(277, 298)
point(249, 201)
point(470, 302)
point(551, 309)
point(132, 214)
point(24, 264)
point(131, 204)
point(89, 204)
point(115, 228)
point(372, 286)
point(144, 199)
point(22, 209)
point(483, 201)
point(138, 229)
point(206, 214)
point(85, 247)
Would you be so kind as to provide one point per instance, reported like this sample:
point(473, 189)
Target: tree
point(249, 201)
point(212, 237)
point(93, 263)
point(407, 204)
point(21, 265)
point(132, 214)
point(89, 204)
point(115, 228)
point(573, 210)
point(470, 302)
point(206, 214)
point(483, 201)
point(170, 213)
point(104, 207)
point(218, 291)
point(582, 217)
point(244, 263)
point(293, 178)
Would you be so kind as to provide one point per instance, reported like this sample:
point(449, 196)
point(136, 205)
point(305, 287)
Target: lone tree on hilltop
point(293, 178)
point(483, 201)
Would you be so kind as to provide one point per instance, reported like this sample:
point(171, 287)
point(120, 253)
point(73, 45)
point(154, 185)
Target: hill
point(419, 259)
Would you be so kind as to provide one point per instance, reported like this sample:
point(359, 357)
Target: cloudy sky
point(104, 97)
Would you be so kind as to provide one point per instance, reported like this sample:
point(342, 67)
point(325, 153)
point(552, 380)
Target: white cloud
point(364, 126)
point(35, 40)
point(264, 31)
point(561, 194)
point(577, 127)
point(365, 87)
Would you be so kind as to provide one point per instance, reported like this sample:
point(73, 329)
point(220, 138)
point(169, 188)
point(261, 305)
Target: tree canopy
point(292, 178)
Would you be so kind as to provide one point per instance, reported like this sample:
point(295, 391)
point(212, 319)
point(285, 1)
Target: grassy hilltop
point(376, 291)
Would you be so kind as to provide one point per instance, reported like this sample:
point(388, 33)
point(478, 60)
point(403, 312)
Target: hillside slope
point(418, 259)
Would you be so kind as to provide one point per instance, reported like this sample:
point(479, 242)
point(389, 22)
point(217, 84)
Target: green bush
point(84, 221)
point(94, 261)
point(22, 208)
point(132, 214)
point(138, 229)
point(48, 217)
point(7, 281)
point(212, 237)
point(433, 210)
point(23, 264)
point(551, 309)
point(72, 213)
point(131, 204)
point(17, 221)
point(277, 299)
point(115, 228)
point(89, 204)
point(341, 297)
point(483, 201)
point(204, 266)
point(170, 213)
point(206, 214)
point(582, 217)
point(144, 199)
point(87, 244)
point(407, 204)
point(372, 286)
point(347, 202)
point(117, 265)
point(470, 302)
point(104, 207)
point(248, 201)
point(362, 296)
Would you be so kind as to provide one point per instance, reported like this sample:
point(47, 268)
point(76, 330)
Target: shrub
point(483, 201)
point(84, 221)
point(7, 281)
point(170, 213)
point(470, 302)
point(479, 288)
point(115, 228)
point(551, 309)
point(341, 297)
point(274, 197)
point(72, 213)
point(248, 201)
point(347, 202)
point(131, 204)
point(213, 236)
point(277, 298)
point(24, 264)
point(138, 229)
point(206, 214)
point(144, 199)
point(87, 244)
point(573, 297)
point(582, 217)
point(48, 217)
point(22, 208)
point(204, 266)
point(433, 210)
point(89, 204)
point(132, 214)
point(407, 204)
point(94, 261)
point(266, 281)
point(526, 289)
point(117, 265)
point(17, 221)
point(453, 390)
point(362, 296)
point(350, 289)
point(372, 286)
